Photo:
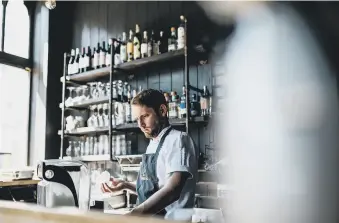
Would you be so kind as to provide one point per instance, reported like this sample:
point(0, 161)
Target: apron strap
point(162, 141)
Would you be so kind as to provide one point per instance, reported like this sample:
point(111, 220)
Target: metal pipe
point(63, 107)
point(110, 101)
point(187, 84)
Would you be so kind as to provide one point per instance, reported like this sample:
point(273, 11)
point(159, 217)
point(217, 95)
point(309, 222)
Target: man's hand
point(118, 185)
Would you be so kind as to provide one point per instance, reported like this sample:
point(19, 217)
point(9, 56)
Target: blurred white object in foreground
point(279, 123)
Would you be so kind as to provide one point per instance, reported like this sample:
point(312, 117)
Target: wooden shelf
point(85, 104)
point(89, 158)
point(128, 126)
point(19, 183)
point(85, 131)
point(89, 75)
point(128, 66)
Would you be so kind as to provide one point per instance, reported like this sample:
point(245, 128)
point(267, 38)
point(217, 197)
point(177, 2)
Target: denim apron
point(147, 182)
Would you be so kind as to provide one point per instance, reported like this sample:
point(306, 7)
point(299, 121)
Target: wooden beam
point(16, 61)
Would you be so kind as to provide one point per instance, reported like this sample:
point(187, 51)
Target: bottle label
point(123, 53)
point(149, 49)
point(171, 47)
point(76, 68)
point(81, 63)
point(136, 48)
point(144, 50)
point(181, 37)
point(203, 103)
point(173, 112)
point(95, 60)
point(130, 50)
point(69, 69)
point(102, 59)
point(108, 59)
point(86, 62)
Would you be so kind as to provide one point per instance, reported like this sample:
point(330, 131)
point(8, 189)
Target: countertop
point(15, 183)
point(19, 212)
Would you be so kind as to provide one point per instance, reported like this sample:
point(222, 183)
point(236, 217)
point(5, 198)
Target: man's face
point(148, 120)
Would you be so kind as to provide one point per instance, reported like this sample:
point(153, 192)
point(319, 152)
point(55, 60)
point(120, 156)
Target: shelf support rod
point(187, 84)
point(63, 108)
point(110, 100)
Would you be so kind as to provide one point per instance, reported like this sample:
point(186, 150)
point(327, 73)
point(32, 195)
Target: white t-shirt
point(178, 154)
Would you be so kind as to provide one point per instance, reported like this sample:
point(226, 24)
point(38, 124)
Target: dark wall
point(60, 36)
point(52, 33)
point(98, 21)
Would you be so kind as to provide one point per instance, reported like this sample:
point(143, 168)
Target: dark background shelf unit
point(87, 23)
point(97, 21)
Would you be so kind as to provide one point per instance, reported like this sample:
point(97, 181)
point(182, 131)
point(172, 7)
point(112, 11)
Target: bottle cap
point(173, 29)
point(182, 17)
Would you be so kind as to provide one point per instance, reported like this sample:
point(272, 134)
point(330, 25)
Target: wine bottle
point(94, 59)
point(181, 33)
point(108, 53)
point(150, 45)
point(182, 111)
point(130, 47)
point(155, 46)
point(76, 62)
point(70, 63)
point(144, 45)
point(123, 48)
point(162, 43)
point(117, 57)
point(81, 60)
point(128, 109)
point(87, 60)
point(172, 40)
point(102, 62)
point(136, 43)
point(97, 57)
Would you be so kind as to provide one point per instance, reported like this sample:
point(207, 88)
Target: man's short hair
point(150, 98)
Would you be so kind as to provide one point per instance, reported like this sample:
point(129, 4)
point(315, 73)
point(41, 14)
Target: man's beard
point(159, 124)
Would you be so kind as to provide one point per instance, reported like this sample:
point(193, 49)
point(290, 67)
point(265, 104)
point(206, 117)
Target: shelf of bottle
point(86, 103)
point(85, 131)
point(128, 66)
point(127, 126)
point(89, 158)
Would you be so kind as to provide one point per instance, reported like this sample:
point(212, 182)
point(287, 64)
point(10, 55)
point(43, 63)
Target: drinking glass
point(93, 90)
point(100, 116)
point(69, 150)
point(69, 100)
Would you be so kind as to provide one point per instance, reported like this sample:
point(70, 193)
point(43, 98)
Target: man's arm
point(123, 185)
point(169, 193)
point(131, 187)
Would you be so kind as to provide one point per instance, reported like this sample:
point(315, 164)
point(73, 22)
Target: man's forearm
point(131, 187)
point(158, 201)
point(163, 197)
